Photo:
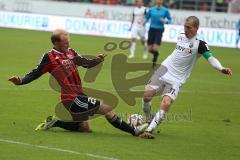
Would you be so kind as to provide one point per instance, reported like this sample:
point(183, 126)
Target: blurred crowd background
point(197, 5)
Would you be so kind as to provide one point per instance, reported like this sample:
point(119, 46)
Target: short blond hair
point(195, 21)
point(57, 34)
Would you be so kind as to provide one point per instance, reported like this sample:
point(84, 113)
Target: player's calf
point(117, 122)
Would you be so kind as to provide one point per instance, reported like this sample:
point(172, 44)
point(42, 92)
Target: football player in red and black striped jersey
point(61, 62)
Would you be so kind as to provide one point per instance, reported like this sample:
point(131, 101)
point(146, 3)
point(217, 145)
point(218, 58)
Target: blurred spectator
point(111, 2)
point(174, 4)
point(219, 5)
point(128, 2)
point(204, 7)
point(222, 5)
point(188, 4)
point(147, 3)
point(98, 1)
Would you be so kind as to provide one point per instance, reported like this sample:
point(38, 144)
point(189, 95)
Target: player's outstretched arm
point(89, 63)
point(41, 68)
point(31, 76)
point(205, 51)
point(217, 65)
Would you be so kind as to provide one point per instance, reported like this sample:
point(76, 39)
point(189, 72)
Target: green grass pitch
point(204, 121)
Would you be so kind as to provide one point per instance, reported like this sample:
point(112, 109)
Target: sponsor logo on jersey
point(70, 56)
point(183, 49)
point(67, 63)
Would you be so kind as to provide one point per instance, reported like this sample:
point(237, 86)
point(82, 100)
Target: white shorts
point(138, 31)
point(163, 87)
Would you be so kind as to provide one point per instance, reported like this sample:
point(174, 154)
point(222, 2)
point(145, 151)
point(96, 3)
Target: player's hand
point(227, 71)
point(100, 57)
point(162, 20)
point(15, 80)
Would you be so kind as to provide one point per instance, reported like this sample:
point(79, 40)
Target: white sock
point(146, 106)
point(160, 115)
point(133, 48)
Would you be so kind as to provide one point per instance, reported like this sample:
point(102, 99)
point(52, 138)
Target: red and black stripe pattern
point(63, 69)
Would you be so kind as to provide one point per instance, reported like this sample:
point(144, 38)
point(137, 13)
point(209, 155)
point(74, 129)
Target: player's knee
point(148, 93)
point(147, 98)
point(150, 48)
point(166, 102)
point(109, 115)
point(104, 109)
point(84, 127)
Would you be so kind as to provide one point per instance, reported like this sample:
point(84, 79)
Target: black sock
point(117, 122)
point(155, 56)
point(71, 126)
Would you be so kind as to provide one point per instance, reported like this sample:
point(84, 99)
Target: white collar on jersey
point(58, 51)
point(193, 38)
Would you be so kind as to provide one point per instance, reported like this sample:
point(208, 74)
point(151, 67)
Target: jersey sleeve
point(85, 62)
point(169, 18)
point(204, 49)
point(41, 68)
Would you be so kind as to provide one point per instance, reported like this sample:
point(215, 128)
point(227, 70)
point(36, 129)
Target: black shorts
point(239, 32)
point(155, 36)
point(82, 107)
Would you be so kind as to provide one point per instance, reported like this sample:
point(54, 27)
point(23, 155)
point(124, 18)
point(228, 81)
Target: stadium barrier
point(108, 12)
point(109, 28)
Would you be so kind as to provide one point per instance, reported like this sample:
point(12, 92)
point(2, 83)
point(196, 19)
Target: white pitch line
point(58, 149)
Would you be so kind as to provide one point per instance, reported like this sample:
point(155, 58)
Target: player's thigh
point(134, 33)
point(149, 92)
point(154, 86)
point(141, 33)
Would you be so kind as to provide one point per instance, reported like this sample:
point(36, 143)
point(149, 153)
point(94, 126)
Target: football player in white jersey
point(138, 29)
point(174, 71)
